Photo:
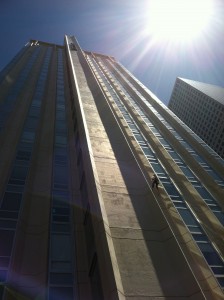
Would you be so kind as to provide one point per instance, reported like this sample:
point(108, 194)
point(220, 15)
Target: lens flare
point(178, 20)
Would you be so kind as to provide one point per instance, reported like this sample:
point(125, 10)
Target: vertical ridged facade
point(80, 140)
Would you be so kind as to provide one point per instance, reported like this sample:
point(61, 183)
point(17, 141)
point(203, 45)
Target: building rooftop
point(213, 91)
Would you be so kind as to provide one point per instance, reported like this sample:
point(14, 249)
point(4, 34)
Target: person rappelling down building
point(155, 182)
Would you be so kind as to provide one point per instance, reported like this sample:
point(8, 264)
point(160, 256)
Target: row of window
point(9, 102)
point(196, 183)
point(11, 202)
point(61, 277)
point(200, 237)
point(145, 90)
point(188, 147)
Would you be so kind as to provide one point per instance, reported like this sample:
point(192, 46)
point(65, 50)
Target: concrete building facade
point(201, 107)
point(80, 140)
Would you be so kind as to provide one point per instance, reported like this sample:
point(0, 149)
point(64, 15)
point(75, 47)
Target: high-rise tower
point(201, 107)
point(80, 141)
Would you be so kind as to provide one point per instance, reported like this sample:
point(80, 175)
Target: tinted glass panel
point(187, 217)
point(6, 238)
point(60, 227)
point(221, 281)
point(61, 247)
point(61, 211)
point(59, 293)
point(61, 266)
point(60, 218)
point(3, 275)
point(157, 168)
point(210, 255)
point(7, 224)
point(218, 270)
point(170, 188)
point(4, 262)
point(8, 214)
point(61, 278)
point(11, 201)
point(19, 172)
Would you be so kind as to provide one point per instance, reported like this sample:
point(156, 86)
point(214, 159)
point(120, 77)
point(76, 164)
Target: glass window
point(59, 227)
point(60, 186)
point(139, 137)
point(127, 118)
point(23, 155)
point(214, 207)
point(3, 275)
point(157, 168)
point(57, 218)
point(61, 266)
point(154, 130)
point(209, 253)
point(19, 172)
point(170, 188)
point(25, 146)
point(60, 115)
point(8, 224)
point(219, 216)
point(187, 172)
point(8, 214)
point(164, 142)
point(4, 262)
point(31, 122)
point(7, 236)
point(219, 270)
point(203, 192)
point(17, 182)
point(61, 107)
point(60, 159)
point(61, 247)
point(59, 139)
point(133, 127)
point(174, 155)
point(11, 201)
point(198, 237)
point(14, 188)
point(187, 217)
point(195, 229)
point(61, 278)
point(37, 102)
point(60, 174)
point(59, 293)
point(147, 151)
point(60, 198)
point(60, 127)
point(60, 98)
point(221, 281)
point(61, 211)
point(28, 136)
point(179, 204)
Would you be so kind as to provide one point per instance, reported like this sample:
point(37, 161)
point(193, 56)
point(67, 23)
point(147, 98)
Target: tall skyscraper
point(201, 107)
point(81, 139)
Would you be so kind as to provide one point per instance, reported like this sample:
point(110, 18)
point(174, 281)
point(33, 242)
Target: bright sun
point(178, 20)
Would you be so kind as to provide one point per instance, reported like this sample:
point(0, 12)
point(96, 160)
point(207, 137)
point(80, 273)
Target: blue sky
point(116, 28)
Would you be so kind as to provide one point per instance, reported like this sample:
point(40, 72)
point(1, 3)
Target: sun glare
point(178, 20)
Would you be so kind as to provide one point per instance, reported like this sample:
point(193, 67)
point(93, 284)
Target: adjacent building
point(80, 140)
point(201, 107)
